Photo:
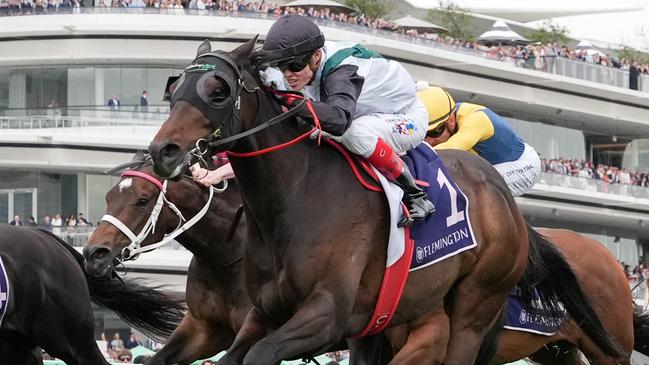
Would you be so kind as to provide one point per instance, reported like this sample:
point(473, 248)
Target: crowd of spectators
point(588, 170)
point(539, 57)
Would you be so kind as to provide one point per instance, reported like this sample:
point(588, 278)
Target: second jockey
point(364, 101)
point(479, 130)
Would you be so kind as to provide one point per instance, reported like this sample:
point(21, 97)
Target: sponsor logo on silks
point(200, 67)
point(405, 128)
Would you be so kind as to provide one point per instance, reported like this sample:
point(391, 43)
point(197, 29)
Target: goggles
point(437, 131)
point(294, 64)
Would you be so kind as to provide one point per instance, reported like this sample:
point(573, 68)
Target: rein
point(277, 119)
point(134, 249)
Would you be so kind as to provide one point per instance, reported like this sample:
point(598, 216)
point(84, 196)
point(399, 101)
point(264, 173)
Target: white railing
point(593, 185)
point(58, 121)
point(78, 236)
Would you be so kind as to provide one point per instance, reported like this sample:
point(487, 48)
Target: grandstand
point(59, 70)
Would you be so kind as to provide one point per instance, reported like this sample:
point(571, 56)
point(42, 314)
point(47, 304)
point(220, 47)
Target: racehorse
point(316, 253)
point(215, 293)
point(602, 278)
point(49, 301)
point(219, 317)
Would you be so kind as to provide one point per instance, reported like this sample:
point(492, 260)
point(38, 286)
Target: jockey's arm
point(473, 128)
point(341, 89)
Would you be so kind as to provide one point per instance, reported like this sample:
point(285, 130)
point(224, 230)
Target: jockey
point(477, 129)
point(364, 101)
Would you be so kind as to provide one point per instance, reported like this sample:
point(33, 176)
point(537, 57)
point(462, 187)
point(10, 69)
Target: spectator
point(47, 223)
point(144, 102)
point(113, 102)
point(634, 72)
point(81, 221)
point(124, 356)
point(32, 222)
point(551, 57)
point(132, 341)
point(117, 344)
point(16, 221)
point(71, 221)
point(57, 223)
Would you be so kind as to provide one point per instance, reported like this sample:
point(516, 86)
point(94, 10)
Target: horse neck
point(208, 238)
point(274, 183)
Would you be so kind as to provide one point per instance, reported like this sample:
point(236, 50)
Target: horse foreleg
point(311, 329)
point(254, 328)
point(370, 350)
point(16, 349)
point(427, 340)
point(193, 340)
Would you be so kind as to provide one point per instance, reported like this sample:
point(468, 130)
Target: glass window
point(4, 88)
point(551, 141)
point(81, 86)
point(133, 82)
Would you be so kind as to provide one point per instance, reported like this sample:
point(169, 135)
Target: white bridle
point(134, 249)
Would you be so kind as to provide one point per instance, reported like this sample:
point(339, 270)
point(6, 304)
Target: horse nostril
point(169, 151)
point(97, 253)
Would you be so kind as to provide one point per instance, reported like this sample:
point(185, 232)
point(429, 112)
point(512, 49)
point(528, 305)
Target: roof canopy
point(320, 4)
point(501, 34)
point(409, 22)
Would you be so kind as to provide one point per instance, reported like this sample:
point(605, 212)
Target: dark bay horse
point(216, 298)
point(49, 301)
point(217, 304)
point(315, 253)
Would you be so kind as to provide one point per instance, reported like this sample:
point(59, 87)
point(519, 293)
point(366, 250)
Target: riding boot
point(416, 199)
point(392, 167)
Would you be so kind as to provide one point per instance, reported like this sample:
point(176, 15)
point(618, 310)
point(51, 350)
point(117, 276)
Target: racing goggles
point(294, 64)
point(437, 131)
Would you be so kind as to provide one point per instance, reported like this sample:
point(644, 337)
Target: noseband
point(134, 249)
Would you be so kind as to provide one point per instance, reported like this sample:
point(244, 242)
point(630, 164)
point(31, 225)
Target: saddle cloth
point(530, 317)
point(446, 232)
point(4, 290)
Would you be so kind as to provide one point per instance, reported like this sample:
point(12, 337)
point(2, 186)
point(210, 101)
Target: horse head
point(139, 213)
point(205, 107)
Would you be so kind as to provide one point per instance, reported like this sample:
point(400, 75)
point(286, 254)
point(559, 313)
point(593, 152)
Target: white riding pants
point(522, 174)
point(402, 131)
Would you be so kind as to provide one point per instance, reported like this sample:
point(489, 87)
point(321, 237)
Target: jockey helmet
point(439, 104)
point(291, 38)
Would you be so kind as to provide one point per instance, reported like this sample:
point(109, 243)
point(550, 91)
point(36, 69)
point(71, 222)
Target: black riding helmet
point(291, 39)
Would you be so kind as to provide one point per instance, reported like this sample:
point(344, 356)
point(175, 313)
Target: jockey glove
point(272, 77)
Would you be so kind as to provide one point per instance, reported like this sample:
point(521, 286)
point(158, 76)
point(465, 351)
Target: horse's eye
point(219, 95)
point(142, 202)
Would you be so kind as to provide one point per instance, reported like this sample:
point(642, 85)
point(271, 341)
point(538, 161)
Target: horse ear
point(204, 48)
point(241, 54)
